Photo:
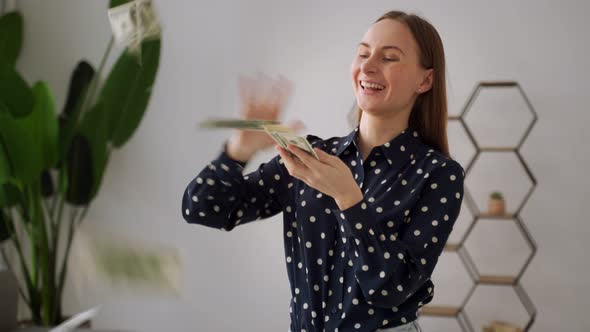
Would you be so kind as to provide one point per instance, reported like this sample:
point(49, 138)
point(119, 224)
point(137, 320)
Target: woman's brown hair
point(429, 113)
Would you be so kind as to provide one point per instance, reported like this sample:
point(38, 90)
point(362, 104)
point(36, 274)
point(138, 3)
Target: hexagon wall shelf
point(493, 274)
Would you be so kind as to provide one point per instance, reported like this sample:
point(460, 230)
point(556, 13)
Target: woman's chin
point(370, 108)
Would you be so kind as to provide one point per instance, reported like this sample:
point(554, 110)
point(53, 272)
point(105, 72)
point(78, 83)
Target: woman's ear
point(426, 81)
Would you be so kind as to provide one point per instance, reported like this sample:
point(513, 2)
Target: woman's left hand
point(329, 174)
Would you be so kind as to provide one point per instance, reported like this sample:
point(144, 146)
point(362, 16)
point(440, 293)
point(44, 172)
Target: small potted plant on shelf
point(497, 205)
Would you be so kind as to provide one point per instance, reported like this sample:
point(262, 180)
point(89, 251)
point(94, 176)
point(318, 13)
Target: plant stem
point(42, 252)
point(54, 203)
point(33, 300)
point(10, 227)
point(49, 218)
point(71, 231)
point(94, 82)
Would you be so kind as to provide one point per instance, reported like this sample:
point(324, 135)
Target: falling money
point(134, 22)
point(281, 134)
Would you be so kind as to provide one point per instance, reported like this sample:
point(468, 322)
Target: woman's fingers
point(305, 158)
point(324, 156)
point(295, 167)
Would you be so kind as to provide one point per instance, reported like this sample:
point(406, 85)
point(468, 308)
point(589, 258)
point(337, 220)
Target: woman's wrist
point(350, 199)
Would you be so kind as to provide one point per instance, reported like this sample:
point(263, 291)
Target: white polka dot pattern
point(364, 268)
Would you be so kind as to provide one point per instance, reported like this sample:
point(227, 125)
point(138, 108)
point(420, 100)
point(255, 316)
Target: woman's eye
point(364, 56)
point(388, 59)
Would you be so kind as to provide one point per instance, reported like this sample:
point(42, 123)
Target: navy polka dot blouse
point(361, 269)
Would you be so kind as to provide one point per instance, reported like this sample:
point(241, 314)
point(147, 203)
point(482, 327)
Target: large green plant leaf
point(79, 171)
point(95, 127)
point(11, 37)
point(16, 97)
point(115, 3)
point(127, 90)
point(4, 227)
point(88, 156)
point(47, 188)
point(68, 119)
point(79, 82)
point(5, 167)
point(9, 195)
point(45, 124)
point(21, 152)
point(30, 142)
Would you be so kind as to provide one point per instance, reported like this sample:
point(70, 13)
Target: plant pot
point(29, 323)
point(8, 300)
point(496, 206)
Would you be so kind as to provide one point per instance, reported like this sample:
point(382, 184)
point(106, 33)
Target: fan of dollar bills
point(134, 22)
point(281, 134)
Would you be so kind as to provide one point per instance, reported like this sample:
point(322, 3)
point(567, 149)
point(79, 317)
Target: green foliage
point(496, 195)
point(16, 97)
point(11, 37)
point(115, 3)
point(127, 90)
point(50, 160)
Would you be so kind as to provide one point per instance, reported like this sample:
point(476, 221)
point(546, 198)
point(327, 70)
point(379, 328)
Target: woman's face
point(386, 73)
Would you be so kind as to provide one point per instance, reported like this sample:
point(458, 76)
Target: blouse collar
point(403, 146)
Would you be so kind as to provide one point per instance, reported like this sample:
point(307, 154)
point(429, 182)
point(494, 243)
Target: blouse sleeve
point(220, 196)
point(391, 267)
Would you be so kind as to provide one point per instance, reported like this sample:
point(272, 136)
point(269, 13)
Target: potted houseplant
point(496, 204)
point(51, 165)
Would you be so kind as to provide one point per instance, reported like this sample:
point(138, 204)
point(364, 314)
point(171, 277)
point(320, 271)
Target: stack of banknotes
point(281, 134)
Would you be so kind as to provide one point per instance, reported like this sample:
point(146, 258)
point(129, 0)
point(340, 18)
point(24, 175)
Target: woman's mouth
point(370, 88)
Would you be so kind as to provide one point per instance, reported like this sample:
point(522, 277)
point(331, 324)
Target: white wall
point(237, 281)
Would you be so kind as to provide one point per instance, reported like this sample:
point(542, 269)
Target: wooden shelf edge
point(506, 216)
point(451, 247)
point(497, 280)
point(441, 311)
point(497, 149)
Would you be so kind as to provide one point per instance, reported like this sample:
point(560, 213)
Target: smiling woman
point(403, 55)
point(365, 222)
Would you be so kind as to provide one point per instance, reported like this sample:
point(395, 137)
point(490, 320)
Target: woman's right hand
point(262, 98)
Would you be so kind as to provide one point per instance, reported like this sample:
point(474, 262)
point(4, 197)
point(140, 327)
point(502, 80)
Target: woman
point(365, 223)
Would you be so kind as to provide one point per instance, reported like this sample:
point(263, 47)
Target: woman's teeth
point(372, 86)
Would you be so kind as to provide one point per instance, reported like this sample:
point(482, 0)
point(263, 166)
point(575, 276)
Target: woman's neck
point(375, 131)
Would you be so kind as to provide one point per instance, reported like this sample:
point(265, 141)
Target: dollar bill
point(134, 22)
point(237, 124)
point(148, 24)
point(301, 143)
point(123, 23)
point(281, 134)
point(286, 137)
point(278, 139)
point(278, 128)
point(115, 260)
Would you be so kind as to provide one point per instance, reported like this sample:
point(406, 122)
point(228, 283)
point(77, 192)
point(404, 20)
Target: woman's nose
point(369, 65)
